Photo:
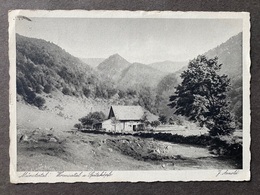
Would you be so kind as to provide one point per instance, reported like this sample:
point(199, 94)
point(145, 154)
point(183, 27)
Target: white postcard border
point(130, 176)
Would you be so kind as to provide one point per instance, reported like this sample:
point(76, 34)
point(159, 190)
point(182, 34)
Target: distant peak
point(115, 56)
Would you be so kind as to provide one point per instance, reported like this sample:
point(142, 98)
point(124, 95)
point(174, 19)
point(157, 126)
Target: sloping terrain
point(138, 75)
point(168, 66)
point(229, 54)
point(45, 67)
point(71, 89)
point(47, 150)
point(93, 62)
point(113, 66)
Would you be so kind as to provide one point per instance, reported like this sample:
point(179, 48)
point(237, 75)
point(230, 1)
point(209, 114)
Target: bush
point(66, 91)
point(163, 119)
point(30, 96)
point(171, 121)
point(38, 89)
point(121, 94)
point(230, 148)
point(39, 101)
point(47, 88)
point(86, 92)
point(78, 126)
point(155, 123)
point(92, 118)
point(111, 92)
point(131, 92)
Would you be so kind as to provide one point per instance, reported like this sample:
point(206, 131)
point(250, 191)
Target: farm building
point(123, 118)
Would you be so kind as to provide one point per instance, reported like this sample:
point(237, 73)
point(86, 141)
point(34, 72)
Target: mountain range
point(138, 75)
point(127, 75)
point(45, 67)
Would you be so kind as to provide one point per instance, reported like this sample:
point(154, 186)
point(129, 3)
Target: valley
point(56, 89)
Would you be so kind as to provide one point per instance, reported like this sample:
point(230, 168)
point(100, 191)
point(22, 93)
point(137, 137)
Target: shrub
point(86, 92)
point(230, 148)
point(121, 94)
point(171, 121)
point(131, 92)
point(38, 89)
point(30, 96)
point(92, 118)
point(66, 91)
point(78, 126)
point(155, 123)
point(39, 101)
point(111, 92)
point(47, 88)
point(163, 119)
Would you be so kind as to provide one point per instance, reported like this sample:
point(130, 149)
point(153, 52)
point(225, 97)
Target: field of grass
point(47, 143)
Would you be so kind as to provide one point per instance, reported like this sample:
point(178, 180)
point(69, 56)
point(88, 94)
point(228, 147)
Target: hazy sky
point(137, 40)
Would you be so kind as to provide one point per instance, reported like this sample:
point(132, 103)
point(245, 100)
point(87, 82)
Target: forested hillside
point(139, 75)
point(45, 67)
point(230, 55)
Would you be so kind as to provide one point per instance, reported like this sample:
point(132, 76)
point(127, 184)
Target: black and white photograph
point(101, 96)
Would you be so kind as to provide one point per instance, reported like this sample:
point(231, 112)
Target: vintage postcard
point(116, 96)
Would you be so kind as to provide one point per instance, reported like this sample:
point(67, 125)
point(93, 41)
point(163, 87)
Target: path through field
point(45, 151)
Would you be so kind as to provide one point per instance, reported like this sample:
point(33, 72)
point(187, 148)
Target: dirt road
point(46, 150)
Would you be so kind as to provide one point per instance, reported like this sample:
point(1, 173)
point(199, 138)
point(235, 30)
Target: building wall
point(119, 126)
point(129, 125)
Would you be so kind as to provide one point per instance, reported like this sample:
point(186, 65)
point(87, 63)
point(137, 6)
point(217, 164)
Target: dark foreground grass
point(225, 147)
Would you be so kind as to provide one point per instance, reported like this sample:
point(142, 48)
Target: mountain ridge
point(138, 74)
point(229, 54)
point(45, 67)
point(93, 62)
point(168, 65)
point(113, 66)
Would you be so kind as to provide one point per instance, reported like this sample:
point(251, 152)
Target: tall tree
point(202, 96)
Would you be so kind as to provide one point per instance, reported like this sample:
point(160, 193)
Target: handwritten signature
point(227, 172)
